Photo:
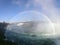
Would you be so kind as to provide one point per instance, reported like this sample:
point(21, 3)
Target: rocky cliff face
point(3, 26)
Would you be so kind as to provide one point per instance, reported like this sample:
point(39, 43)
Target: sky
point(17, 10)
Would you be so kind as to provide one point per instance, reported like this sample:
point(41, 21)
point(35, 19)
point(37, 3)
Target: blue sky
point(11, 8)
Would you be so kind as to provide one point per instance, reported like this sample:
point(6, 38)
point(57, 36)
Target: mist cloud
point(47, 7)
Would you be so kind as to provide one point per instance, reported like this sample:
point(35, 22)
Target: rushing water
point(30, 32)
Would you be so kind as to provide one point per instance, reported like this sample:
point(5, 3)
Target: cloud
point(17, 2)
point(21, 2)
point(49, 9)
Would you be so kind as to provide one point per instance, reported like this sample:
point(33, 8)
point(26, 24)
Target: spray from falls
point(48, 10)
